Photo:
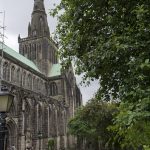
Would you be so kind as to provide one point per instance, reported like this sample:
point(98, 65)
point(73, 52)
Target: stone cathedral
point(45, 96)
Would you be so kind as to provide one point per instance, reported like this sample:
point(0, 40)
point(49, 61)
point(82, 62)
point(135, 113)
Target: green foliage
point(51, 144)
point(129, 125)
point(146, 148)
point(106, 39)
point(91, 122)
point(109, 40)
point(133, 121)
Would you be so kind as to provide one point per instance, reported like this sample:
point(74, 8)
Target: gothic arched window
point(12, 74)
point(41, 25)
point(18, 76)
point(53, 89)
point(30, 52)
point(40, 86)
point(34, 51)
point(5, 71)
point(29, 81)
point(23, 50)
point(24, 79)
point(37, 86)
point(34, 83)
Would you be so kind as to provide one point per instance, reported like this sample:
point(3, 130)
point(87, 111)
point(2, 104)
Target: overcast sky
point(18, 15)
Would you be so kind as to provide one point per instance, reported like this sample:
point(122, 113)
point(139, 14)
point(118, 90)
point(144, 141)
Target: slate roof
point(19, 57)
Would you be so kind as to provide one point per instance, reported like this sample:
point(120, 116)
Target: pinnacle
point(39, 5)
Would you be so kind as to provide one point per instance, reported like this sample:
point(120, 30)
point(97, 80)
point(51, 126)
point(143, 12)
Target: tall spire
point(39, 25)
point(38, 5)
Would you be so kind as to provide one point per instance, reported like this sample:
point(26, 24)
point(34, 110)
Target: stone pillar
point(58, 142)
point(22, 138)
point(22, 142)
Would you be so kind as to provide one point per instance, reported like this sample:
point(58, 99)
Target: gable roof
point(18, 56)
point(55, 70)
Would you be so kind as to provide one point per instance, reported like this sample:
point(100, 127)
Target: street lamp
point(6, 100)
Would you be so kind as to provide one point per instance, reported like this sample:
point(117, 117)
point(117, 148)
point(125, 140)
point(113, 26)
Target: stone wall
point(41, 107)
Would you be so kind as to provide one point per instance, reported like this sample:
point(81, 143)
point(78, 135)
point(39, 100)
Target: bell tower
point(38, 46)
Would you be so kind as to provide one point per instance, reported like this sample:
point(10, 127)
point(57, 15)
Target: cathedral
point(45, 96)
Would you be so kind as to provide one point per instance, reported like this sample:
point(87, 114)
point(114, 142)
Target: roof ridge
point(15, 51)
point(20, 57)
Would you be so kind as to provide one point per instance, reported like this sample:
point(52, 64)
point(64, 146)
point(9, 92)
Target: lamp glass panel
point(3, 103)
point(10, 100)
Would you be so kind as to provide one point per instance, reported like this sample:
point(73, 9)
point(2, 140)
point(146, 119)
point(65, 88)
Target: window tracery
point(41, 25)
point(12, 74)
point(53, 89)
point(5, 71)
point(29, 81)
point(34, 51)
point(24, 79)
point(18, 76)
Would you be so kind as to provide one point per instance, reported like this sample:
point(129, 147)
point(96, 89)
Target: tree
point(109, 40)
point(90, 123)
point(99, 35)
